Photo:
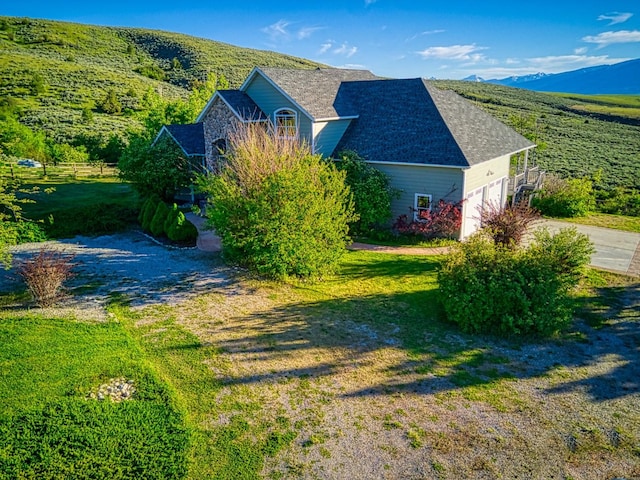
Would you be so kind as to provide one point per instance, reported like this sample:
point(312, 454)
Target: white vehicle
point(27, 162)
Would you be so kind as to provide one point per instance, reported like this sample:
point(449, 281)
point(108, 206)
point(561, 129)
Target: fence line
point(74, 170)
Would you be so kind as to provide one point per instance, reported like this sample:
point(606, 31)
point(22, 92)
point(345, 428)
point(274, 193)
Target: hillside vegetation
point(55, 73)
point(573, 141)
point(71, 82)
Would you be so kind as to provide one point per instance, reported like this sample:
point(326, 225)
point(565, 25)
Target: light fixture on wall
point(489, 173)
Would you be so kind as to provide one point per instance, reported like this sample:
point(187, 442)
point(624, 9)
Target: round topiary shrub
point(157, 222)
point(182, 231)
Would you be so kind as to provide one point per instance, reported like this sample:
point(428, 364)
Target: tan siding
point(328, 134)
point(486, 172)
point(441, 183)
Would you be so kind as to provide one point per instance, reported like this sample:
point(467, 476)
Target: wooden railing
point(14, 171)
point(523, 184)
point(531, 176)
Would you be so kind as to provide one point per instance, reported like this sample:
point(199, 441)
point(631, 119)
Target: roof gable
point(189, 137)
point(409, 121)
point(240, 104)
point(314, 91)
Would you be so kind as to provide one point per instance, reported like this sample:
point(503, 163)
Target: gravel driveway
point(130, 263)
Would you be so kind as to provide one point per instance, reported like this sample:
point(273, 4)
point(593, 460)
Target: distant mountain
point(474, 78)
point(516, 81)
point(619, 78)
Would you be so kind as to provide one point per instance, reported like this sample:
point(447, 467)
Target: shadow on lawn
point(362, 333)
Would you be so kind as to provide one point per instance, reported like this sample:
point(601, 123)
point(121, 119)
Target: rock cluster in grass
point(116, 390)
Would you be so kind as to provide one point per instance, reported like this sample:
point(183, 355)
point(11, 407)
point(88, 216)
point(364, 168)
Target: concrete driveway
point(615, 250)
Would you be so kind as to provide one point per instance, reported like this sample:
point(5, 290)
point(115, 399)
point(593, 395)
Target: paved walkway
point(615, 250)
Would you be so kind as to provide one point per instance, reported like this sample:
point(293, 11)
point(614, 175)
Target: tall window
point(421, 205)
point(286, 123)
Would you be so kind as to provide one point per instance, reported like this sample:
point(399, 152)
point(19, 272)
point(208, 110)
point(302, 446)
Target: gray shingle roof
point(190, 137)
point(315, 90)
point(242, 104)
point(410, 121)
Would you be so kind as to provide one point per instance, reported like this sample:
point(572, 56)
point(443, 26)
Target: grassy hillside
point(57, 74)
point(54, 70)
point(576, 142)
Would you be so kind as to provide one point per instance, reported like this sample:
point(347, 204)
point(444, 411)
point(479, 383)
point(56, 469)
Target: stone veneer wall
point(217, 123)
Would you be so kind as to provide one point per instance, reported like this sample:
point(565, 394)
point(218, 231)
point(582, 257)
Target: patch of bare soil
point(365, 410)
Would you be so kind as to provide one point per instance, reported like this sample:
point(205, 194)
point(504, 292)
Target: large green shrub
point(159, 217)
point(372, 192)
point(487, 287)
point(279, 209)
point(559, 197)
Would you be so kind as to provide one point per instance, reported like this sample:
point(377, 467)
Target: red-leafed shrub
point(442, 221)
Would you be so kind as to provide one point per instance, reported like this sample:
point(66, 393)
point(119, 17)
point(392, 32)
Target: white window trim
point(289, 113)
point(416, 208)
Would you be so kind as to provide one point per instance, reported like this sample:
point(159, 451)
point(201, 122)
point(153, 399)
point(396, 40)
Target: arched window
point(286, 123)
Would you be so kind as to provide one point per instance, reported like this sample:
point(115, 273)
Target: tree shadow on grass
point(612, 338)
point(398, 343)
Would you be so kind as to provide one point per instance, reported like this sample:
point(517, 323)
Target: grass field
point(56, 195)
point(627, 106)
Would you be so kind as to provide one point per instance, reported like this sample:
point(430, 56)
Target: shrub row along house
point(432, 143)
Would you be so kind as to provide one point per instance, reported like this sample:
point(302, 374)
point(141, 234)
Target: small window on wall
point(286, 123)
point(422, 205)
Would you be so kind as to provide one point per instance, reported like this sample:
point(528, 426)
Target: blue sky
point(394, 38)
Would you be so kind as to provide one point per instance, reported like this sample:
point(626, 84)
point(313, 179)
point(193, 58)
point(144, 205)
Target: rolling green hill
point(57, 75)
point(54, 70)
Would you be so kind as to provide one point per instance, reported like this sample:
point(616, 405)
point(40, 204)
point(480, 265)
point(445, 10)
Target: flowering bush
point(442, 221)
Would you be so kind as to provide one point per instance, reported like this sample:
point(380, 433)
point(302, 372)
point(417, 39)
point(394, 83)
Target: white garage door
point(494, 193)
point(472, 207)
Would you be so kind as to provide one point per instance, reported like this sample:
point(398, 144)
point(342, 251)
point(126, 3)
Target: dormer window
point(286, 123)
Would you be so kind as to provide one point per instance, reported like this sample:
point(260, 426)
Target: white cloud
point(422, 34)
point(325, 47)
point(454, 52)
point(616, 17)
point(607, 38)
point(277, 30)
point(345, 50)
point(580, 51)
point(306, 32)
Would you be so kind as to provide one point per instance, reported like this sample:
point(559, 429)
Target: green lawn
point(618, 222)
point(235, 386)
point(48, 427)
point(58, 195)
point(93, 206)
